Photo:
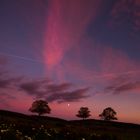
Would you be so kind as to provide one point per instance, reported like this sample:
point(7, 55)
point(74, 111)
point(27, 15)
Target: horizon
point(76, 119)
point(71, 53)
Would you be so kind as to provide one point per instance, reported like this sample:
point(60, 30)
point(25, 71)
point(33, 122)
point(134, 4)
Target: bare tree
point(108, 114)
point(83, 113)
point(40, 106)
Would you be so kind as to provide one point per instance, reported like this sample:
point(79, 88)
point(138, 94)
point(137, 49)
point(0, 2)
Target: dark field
point(16, 126)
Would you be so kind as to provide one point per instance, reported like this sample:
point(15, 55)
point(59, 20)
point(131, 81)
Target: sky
point(71, 53)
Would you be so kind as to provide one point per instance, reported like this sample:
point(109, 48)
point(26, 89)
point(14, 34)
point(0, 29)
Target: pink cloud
point(106, 63)
point(68, 50)
point(66, 23)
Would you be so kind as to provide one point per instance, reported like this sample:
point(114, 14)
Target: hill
point(78, 128)
point(15, 115)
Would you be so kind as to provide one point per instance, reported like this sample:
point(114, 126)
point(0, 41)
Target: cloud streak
point(73, 96)
point(4, 61)
point(123, 84)
point(7, 81)
point(66, 24)
point(54, 92)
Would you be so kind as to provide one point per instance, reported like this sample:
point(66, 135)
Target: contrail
point(20, 57)
point(120, 73)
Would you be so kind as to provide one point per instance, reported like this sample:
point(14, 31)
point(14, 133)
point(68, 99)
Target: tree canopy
point(40, 106)
point(108, 114)
point(83, 113)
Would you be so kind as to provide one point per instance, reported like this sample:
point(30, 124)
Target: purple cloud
point(123, 84)
point(72, 96)
point(53, 92)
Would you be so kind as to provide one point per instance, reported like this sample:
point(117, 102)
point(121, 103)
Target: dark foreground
point(15, 126)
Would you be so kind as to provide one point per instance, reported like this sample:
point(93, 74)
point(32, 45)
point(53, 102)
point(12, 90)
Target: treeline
point(41, 107)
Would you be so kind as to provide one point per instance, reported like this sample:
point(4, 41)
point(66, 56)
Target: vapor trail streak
point(20, 57)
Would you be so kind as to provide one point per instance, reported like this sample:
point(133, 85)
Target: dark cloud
point(30, 87)
point(72, 96)
point(7, 81)
point(53, 92)
point(124, 87)
point(41, 88)
point(123, 84)
point(58, 88)
point(35, 87)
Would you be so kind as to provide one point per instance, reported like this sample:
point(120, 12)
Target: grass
point(16, 126)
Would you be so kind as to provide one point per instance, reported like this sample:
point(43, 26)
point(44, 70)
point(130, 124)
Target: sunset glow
point(71, 53)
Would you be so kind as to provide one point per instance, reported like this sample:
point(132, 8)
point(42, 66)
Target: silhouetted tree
point(108, 114)
point(40, 107)
point(83, 113)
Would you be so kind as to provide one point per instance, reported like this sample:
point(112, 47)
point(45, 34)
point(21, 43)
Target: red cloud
point(66, 23)
point(69, 52)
